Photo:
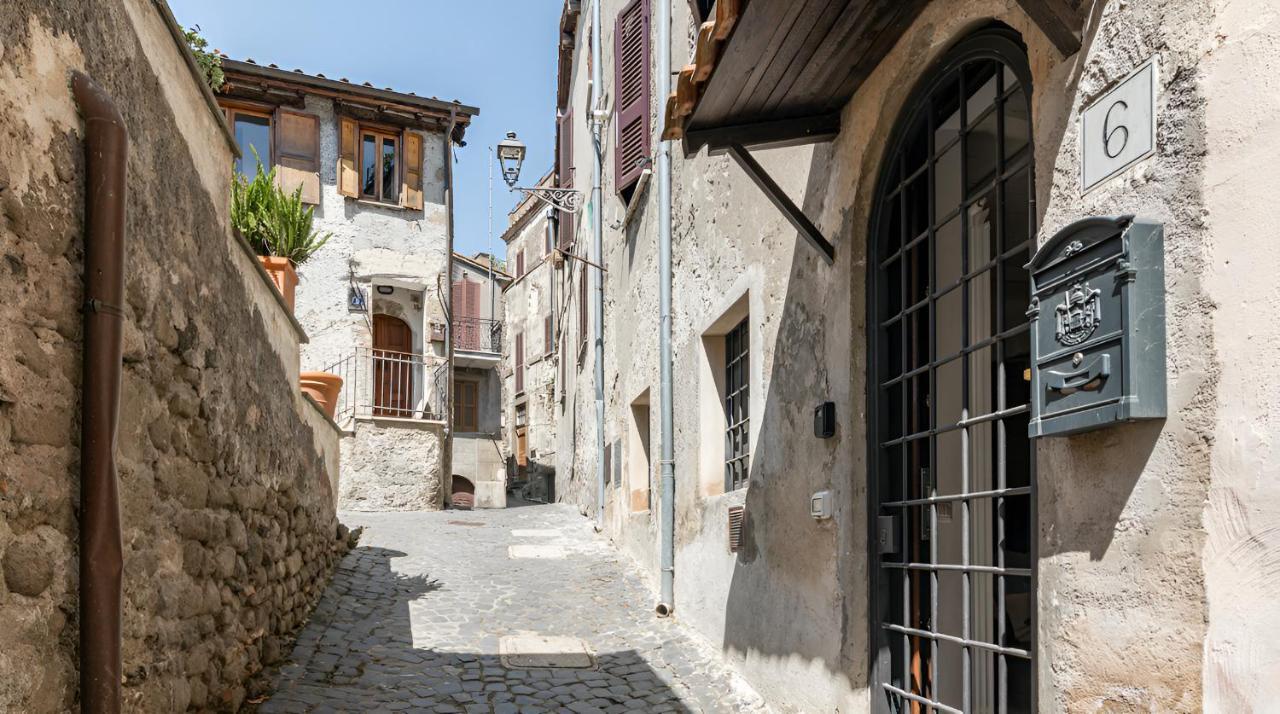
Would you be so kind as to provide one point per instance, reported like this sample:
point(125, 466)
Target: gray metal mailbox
point(1097, 326)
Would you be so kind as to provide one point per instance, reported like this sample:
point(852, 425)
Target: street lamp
point(511, 156)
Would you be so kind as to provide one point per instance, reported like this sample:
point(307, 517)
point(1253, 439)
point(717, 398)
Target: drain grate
point(550, 651)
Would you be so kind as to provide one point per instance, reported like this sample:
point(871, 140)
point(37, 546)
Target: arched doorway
point(393, 367)
point(953, 487)
point(462, 493)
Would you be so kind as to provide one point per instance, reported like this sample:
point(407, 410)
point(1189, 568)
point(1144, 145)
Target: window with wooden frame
point(466, 405)
point(564, 174)
point(520, 264)
point(548, 336)
point(380, 163)
point(519, 360)
point(252, 129)
point(631, 78)
point(582, 313)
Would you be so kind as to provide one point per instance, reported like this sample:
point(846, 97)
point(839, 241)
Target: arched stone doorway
point(462, 493)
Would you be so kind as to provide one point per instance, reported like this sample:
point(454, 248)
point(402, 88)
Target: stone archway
point(462, 493)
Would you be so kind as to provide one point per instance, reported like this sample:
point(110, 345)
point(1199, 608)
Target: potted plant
point(278, 226)
point(323, 387)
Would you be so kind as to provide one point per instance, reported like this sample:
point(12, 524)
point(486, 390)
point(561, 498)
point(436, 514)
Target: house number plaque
point(1119, 129)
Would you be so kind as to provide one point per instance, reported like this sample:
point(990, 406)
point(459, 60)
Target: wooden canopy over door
point(392, 367)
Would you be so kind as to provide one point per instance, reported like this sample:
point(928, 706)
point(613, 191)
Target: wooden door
point(522, 452)
point(392, 367)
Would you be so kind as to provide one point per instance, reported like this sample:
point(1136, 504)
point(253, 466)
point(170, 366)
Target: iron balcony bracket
point(564, 199)
point(780, 200)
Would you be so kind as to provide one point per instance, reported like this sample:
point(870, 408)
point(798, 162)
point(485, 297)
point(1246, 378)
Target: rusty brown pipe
point(101, 549)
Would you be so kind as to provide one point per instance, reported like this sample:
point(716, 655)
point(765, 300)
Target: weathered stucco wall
point(393, 465)
point(1148, 533)
point(224, 470)
point(1241, 554)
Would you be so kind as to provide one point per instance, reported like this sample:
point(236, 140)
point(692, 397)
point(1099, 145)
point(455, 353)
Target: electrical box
point(820, 505)
point(824, 420)
point(1097, 326)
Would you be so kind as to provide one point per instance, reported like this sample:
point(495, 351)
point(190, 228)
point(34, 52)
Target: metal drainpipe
point(667, 516)
point(447, 477)
point(101, 550)
point(597, 246)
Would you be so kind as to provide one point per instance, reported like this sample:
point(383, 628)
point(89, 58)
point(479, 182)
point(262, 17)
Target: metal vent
point(736, 515)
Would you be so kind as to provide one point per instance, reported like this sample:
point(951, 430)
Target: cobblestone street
point(420, 615)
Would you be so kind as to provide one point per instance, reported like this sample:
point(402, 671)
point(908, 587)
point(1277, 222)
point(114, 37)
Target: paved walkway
point(417, 618)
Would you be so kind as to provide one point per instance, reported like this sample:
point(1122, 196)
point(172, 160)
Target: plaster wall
point(528, 301)
point(1153, 532)
point(393, 465)
point(224, 470)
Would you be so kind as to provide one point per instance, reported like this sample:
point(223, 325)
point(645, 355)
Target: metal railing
point(473, 334)
point(386, 383)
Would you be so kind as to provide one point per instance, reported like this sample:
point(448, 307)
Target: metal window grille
point(737, 412)
point(955, 592)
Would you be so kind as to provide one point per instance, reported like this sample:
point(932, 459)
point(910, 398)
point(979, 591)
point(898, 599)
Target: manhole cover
point(543, 552)
point(535, 651)
point(472, 524)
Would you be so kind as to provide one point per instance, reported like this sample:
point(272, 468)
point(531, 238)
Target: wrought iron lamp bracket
point(564, 199)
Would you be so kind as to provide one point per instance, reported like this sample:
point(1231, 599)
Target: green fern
point(275, 223)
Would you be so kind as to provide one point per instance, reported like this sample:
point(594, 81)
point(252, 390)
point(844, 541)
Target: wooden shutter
point(548, 337)
point(520, 263)
point(631, 82)
point(565, 173)
point(519, 362)
point(582, 306)
point(348, 175)
point(473, 297)
point(411, 191)
point(297, 149)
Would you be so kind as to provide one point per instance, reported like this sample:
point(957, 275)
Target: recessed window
point(737, 408)
point(466, 405)
point(379, 166)
point(253, 136)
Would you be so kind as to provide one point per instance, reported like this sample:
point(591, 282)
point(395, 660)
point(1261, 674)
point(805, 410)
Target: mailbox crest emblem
point(1078, 315)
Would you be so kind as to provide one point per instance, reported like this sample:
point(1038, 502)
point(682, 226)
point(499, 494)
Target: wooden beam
point(780, 200)
point(764, 135)
point(1059, 20)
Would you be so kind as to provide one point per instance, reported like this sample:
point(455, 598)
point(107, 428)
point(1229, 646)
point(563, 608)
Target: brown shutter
point(348, 176)
point(519, 362)
point(297, 149)
point(473, 298)
point(565, 172)
point(548, 339)
point(582, 306)
point(411, 193)
point(631, 82)
point(520, 263)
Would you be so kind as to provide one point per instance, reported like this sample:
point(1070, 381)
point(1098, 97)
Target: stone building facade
point(372, 163)
point(478, 474)
point(226, 474)
point(529, 367)
point(1123, 568)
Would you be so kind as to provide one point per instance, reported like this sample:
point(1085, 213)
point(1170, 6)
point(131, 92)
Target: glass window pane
point(1017, 210)
point(981, 151)
point(390, 172)
point(946, 113)
point(949, 323)
point(1017, 126)
point(980, 84)
point(369, 166)
point(946, 187)
point(253, 136)
point(982, 231)
point(948, 245)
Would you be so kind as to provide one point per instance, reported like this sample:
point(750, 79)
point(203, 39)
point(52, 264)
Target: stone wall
point(393, 465)
point(225, 471)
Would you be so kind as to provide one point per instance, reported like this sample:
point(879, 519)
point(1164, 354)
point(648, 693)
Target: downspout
point(597, 247)
point(101, 549)
point(667, 515)
point(446, 478)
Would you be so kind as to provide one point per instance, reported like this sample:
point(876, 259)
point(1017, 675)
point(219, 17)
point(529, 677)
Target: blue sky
point(498, 55)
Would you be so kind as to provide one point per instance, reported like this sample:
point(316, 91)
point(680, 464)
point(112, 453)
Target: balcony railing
point(384, 383)
point(472, 334)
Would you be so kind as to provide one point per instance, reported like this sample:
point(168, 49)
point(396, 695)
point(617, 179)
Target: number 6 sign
point(1119, 128)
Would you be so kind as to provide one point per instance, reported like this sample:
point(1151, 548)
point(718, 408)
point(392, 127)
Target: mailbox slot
point(1097, 324)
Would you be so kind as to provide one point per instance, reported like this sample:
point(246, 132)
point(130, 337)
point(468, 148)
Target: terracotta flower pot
point(323, 387)
point(283, 274)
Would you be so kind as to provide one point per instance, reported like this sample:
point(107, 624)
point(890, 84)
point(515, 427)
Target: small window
point(519, 360)
point(737, 409)
point(253, 136)
point(379, 166)
point(520, 264)
point(466, 405)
